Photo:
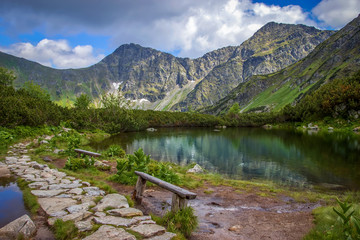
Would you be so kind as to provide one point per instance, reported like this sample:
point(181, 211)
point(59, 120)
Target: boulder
point(22, 227)
point(196, 169)
point(112, 200)
point(4, 172)
point(110, 233)
point(151, 129)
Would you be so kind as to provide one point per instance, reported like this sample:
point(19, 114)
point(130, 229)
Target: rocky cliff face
point(270, 49)
point(164, 81)
point(338, 56)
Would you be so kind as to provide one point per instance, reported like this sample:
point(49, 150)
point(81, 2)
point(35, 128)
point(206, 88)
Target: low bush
point(115, 151)
point(141, 162)
point(75, 164)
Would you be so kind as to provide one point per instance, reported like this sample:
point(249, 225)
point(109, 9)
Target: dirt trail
point(248, 215)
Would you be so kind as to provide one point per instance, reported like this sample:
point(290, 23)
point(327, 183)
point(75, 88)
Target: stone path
point(67, 198)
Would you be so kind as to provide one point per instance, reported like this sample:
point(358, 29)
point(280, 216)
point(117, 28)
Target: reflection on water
point(11, 201)
point(287, 157)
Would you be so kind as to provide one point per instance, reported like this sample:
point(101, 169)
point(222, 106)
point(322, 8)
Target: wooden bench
point(92, 154)
point(180, 196)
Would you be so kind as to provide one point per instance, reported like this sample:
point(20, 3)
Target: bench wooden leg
point(178, 203)
point(139, 189)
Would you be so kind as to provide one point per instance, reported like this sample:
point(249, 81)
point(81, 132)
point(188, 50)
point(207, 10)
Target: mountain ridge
point(159, 80)
point(336, 57)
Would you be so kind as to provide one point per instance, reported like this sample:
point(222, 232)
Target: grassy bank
point(85, 169)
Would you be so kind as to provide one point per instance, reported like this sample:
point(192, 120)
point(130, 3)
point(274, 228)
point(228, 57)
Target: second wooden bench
point(180, 196)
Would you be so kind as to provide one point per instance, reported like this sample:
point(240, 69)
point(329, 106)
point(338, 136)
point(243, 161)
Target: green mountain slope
point(161, 81)
point(270, 49)
point(337, 57)
point(141, 73)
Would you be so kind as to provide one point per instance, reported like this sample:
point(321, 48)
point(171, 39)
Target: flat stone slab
point(46, 193)
point(39, 185)
point(93, 191)
point(125, 212)
point(53, 205)
point(23, 225)
point(76, 191)
point(112, 200)
point(80, 207)
point(84, 225)
point(149, 230)
point(76, 217)
point(110, 233)
point(117, 221)
point(165, 236)
point(65, 186)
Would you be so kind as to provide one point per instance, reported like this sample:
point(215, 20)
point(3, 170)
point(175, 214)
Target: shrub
point(115, 151)
point(139, 161)
point(79, 163)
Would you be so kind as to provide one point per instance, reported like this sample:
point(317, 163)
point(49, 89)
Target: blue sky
point(79, 33)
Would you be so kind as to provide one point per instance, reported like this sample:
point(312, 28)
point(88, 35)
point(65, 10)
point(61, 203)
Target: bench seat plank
point(87, 152)
point(183, 193)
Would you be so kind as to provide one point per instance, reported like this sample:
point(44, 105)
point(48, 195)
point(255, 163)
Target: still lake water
point(283, 156)
point(11, 201)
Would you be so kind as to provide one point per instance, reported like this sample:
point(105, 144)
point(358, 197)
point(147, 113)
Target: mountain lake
point(287, 157)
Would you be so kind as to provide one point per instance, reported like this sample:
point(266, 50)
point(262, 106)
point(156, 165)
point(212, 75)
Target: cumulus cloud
point(204, 28)
point(337, 13)
point(55, 53)
point(190, 28)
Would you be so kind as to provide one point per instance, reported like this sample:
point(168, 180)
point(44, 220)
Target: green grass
point(64, 230)
point(328, 225)
point(30, 200)
point(277, 99)
point(182, 222)
point(130, 201)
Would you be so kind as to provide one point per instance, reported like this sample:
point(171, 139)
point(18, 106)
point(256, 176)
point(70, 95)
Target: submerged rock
point(151, 129)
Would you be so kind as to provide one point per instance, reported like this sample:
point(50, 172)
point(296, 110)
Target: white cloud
point(337, 13)
point(55, 53)
point(189, 27)
point(207, 27)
